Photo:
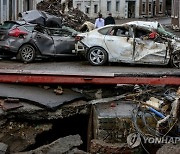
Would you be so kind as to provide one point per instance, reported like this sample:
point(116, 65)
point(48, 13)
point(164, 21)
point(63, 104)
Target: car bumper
point(80, 49)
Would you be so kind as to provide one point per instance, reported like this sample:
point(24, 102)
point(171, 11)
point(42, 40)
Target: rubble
point(3, 148)
point(101, 147)
point(107, 122)
point(62, 145)
point(72, 17)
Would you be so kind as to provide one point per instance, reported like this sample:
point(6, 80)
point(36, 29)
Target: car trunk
point(3, 34)
point(4, 29)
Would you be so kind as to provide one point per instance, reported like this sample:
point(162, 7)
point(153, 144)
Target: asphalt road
point(78, 67)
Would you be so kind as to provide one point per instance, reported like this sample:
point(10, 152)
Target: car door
point(120, 43)
point(149, 50)
point(63, 41)
point(44, 41)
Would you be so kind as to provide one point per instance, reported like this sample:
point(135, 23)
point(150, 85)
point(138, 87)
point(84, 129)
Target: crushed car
point(136, 42)
point(26, 41)
point(42, 18)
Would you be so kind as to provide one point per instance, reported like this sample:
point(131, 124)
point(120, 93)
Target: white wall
point(18, 6)
point(102, 7)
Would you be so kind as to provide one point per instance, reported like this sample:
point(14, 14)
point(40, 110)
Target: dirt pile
point(72, 17)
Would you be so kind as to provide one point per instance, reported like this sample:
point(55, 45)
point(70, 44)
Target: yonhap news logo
point(135, 140)
point(161, 140)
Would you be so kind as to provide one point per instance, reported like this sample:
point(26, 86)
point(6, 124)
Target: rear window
point(104, 31)
point(7, 25)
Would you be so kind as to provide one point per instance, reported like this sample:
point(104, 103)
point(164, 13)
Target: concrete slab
point(38, 96)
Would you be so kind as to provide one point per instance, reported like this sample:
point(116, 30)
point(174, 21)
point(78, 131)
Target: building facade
point(9, 9)
point(121, 8)
point(175, 14)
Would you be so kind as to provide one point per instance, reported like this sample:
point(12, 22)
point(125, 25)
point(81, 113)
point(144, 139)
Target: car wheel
point(175, 60)
point(97, 56)
point(27, 53)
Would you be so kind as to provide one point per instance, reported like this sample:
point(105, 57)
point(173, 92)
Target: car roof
point(19, 22)
point(144, 24)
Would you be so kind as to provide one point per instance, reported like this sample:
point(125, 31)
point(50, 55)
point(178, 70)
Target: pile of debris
point(72, 17)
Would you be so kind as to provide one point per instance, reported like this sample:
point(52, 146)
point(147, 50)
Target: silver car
point(27, 41)
point(136, 42)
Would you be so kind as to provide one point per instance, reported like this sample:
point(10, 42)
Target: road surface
point(78, 67)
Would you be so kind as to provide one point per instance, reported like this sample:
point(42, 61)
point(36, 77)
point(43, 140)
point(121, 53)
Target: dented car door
point(44, 41)
point(63, 41)
point(150, 50)
point(120, 43)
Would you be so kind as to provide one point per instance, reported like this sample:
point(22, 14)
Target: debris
point(46, 87)
point(19, 135)
point(99, 146)
point(71, 17)
point(169, 149)
point(58, 91)
point(39, 96)
point(62, 145)
point(154, 102)
point(3, 148)
point(86, 26)
point(10, 104)
point(175, 111)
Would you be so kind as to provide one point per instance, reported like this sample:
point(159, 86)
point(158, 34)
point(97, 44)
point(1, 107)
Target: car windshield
point(7, 25)
point(162, 31)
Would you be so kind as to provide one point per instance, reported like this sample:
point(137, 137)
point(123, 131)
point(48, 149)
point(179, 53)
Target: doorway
point(131, 9)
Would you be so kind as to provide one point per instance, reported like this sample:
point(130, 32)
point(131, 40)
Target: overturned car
point(137, 42)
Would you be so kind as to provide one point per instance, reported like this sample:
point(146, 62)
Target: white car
point(130, 43)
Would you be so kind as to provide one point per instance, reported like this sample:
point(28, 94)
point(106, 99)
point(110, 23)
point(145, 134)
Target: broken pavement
point(102, 118)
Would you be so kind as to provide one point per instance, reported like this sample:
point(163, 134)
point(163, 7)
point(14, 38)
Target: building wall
point(151, 8)
point(118, 8)
point(9, 9)
point(125, 8)
point(175, 14)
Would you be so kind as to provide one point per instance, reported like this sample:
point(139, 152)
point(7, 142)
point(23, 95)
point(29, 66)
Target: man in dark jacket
point(109, 20)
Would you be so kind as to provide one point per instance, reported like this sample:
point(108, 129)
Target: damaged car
point(26, 41)
point(137, 42)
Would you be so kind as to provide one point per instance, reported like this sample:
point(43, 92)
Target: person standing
point(109, 20)
point(99, 21)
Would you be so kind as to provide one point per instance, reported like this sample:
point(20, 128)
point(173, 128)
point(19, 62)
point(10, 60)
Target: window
point(109, 6)
point(95, 8)
point(117, 6)
point(78, 6)
point(104, 31)
point(87, 10)
point(150, 7)
point(160, 7)
point(143, 7)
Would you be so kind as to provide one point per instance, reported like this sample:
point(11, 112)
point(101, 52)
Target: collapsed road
point(45, 104)
point(98, 119)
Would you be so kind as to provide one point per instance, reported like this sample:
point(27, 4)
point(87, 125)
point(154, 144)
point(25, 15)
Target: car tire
point(97, 56)
point(175, 60)
point(27, 53)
